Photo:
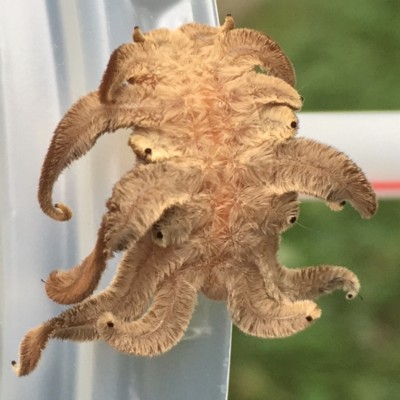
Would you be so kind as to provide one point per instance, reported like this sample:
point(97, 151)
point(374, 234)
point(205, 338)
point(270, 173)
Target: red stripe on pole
point(386, 185)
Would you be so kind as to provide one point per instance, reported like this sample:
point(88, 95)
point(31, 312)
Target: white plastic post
point(371, 139)
point(52, 52)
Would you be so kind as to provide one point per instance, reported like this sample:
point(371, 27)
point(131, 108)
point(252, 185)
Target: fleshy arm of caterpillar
point(319, 170)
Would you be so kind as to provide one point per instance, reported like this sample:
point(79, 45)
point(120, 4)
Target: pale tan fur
point(131, 212)
point(213, 113)
point(171, 82)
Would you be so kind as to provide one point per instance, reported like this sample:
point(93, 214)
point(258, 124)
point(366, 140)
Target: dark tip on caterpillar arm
point(31, 348)
point(228, 24)
point(66, 211)
point(336, 206)
point(351, 295)
point(137, 35)
point(59, 212)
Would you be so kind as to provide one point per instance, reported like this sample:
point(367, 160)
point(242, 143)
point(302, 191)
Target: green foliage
point(346, 58)
point(260, 70)
point(346, 53)
point(353, 351)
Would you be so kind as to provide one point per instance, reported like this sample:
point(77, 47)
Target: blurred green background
point(347, 57)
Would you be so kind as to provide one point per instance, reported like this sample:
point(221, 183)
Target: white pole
point(371, 139)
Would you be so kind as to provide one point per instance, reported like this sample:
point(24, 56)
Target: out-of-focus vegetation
point(347, 57)
point(346, 52)
point(353, 351)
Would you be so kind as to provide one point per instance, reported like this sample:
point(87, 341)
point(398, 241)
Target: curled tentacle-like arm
point(76, 323)
point(159, 264)
point(74, 285)
point(142, 196)
point(268, 90)
point(138, 201)
point(76, 134)
point(140, 272)
point(241, 43)
point(121, 61)
point(264, 311)
point(35, 341)
point(312, 282)
point(160, 328)
point(143, 267)
point(283, 212)
point(316, 169)
point(181, 222)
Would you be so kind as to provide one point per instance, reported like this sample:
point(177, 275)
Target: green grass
point(353, 351)
point(346, 53)
point(347, 57)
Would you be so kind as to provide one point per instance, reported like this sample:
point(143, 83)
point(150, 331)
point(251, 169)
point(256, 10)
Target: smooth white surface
point(371, 139)
point(52, 52)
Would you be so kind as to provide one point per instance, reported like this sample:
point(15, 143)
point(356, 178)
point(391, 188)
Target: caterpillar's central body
point(214, 124)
